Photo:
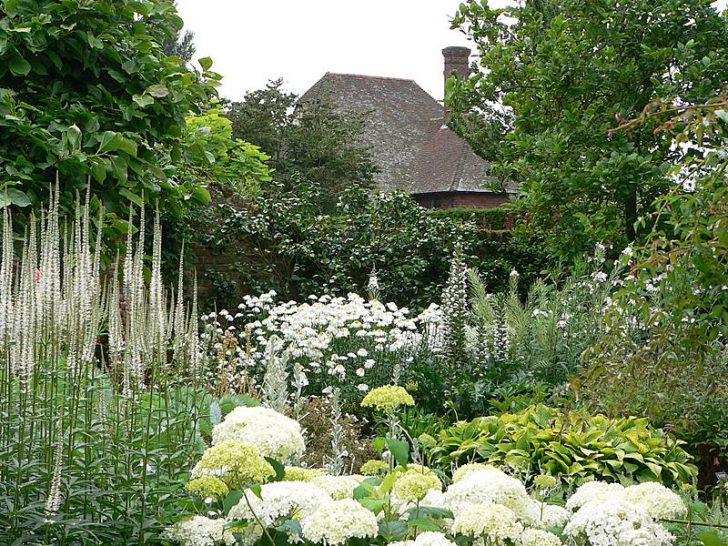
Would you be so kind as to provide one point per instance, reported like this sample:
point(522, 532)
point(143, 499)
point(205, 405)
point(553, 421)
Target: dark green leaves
point(19, 66)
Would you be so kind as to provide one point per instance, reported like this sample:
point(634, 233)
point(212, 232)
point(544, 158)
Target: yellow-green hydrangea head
point(237, 464)
point(374, 467)
point(301, 474)
point(544, 481)
point(413, 484)
point(387, 398)
point(208, 487)
point(466, 469)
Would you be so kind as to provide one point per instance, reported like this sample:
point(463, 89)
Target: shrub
point(572, 445)
point(407, 503)
point(280, 241)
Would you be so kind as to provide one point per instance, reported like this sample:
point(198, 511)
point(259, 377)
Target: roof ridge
point(368, 76)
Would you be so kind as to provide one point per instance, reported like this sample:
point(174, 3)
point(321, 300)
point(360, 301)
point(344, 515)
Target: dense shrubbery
point(282, 242)
point(571, 445)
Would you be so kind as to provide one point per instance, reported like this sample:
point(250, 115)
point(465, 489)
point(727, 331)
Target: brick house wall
point(460, 199)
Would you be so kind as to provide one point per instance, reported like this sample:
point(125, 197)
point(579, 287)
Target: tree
point(182, 44)
point(213, 156)
point(86, 92)
point(310, 142)
point(567, 69)
point(662, 351)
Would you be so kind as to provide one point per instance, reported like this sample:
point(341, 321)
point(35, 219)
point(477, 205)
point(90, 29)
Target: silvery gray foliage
point(275, 380)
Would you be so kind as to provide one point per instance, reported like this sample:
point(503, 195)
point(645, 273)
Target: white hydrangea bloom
point(337, 487)
point(490, 520)
point(594, 492)
point(338, 521)
point(289, 499)
point(274, 434)
point(200, 531)
point(656, 499)
point(616, 522)
point(541, 515)
point(487, 485)
point(537, 537)
point(431, 538)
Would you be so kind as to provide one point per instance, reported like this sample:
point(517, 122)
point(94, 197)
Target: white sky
point(252, 41)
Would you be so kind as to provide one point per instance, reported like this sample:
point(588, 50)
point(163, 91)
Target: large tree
point(86, 91)
point(567, 71)
point(312, 142)
point(181, 44)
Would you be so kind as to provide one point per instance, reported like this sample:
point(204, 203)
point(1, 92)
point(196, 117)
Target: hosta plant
point(573, 445)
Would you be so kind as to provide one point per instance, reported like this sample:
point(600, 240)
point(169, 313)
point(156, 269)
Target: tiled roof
point(405, 131)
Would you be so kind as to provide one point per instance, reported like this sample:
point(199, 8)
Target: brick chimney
point(457, 61)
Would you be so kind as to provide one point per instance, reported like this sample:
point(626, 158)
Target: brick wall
point(471, 200)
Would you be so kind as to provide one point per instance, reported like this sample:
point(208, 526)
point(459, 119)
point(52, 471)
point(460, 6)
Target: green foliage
point(280, 241)
point(495, 219)
point(566, 69)
point(572, 445)
point(520, 347)
point(87, 91)
point(213, 156)
point(310, 142)
point(661, 350)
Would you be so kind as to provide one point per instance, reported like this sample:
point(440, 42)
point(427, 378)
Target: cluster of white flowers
point(291, 500)
point(613, 515)
point(338, 337)
point(655, 499)
point(200, 531)
point(617, 522)
point(339, 521)
point(428, 538)
point(274, 434)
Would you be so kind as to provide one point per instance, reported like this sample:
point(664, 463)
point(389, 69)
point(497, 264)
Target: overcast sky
point(252, 41)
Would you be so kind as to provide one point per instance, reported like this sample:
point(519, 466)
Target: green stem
point(257, 519)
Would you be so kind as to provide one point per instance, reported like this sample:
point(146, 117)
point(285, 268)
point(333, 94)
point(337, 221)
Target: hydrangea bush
point(404, 504)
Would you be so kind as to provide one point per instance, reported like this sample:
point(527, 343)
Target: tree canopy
point(88, 93)
point(312, 142)
point(567, 71)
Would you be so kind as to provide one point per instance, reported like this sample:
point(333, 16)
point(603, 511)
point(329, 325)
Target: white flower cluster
point(339, 521)
point(274, 434)
point(200, 531)
point(612, 515)
point(341, 338)
point(290, 500)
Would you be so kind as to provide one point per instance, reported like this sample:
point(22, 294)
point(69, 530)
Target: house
point(410, 142)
